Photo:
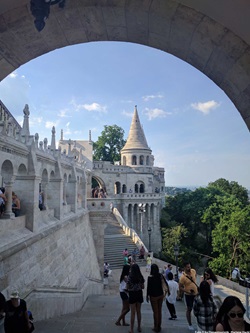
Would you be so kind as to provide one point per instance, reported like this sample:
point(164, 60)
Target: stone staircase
point(115, 241)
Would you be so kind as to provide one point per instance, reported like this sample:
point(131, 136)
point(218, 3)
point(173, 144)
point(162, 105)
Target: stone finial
point(53, 139)
point(45, 141)
point(36, 139)
point(90, 139)
point(25, 130)
point(61, 134)
point(41, 145)
point(10, 127)
point(69, 143)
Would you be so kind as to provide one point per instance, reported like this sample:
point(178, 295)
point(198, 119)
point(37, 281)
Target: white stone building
point(135, 185)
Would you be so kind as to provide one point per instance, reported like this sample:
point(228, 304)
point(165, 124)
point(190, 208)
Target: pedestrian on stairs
point(124, 296)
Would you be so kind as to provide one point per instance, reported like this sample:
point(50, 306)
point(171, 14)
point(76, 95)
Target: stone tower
point(136, 151)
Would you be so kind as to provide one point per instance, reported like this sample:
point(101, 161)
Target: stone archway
point(194, 31)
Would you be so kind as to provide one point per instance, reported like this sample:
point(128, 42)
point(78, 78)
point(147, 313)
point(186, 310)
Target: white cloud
point(63, 113)
point(127, 114)
point(13, 75)
point(50, 124)
point(205, 107)
point(94, 107)
point(89, 107)
point(156, 113)
point(148, 97)
point(35, 120)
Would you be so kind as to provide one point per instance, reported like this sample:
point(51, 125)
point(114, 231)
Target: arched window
point(134, 162)
point(124, 188)
point(136, 188)
point(141, 160)
point(117, 188)
point(142, 188)
point(147, 160)
point(124, 160)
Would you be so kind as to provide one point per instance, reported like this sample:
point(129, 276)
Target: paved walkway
point(100, 313)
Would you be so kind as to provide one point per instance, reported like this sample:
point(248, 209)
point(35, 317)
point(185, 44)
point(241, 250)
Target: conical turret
point(136, 151)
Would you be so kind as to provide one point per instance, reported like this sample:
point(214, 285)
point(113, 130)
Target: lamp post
point(176, 253)
point(149, 238)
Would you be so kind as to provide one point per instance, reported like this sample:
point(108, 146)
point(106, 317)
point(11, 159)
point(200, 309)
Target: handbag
point(165, 287)
point(32, 327)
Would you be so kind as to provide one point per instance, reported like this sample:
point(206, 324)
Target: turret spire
point(136, 137)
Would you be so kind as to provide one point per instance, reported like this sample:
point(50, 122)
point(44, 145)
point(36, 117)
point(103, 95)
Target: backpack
point(235, 274)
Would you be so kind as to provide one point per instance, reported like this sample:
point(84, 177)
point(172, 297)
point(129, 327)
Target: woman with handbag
point(155, 295)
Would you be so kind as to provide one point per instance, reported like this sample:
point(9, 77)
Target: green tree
point(232, 187)
point(170, 237)
point(230, 238)
point(109, 144)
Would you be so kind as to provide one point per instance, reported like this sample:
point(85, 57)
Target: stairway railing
point(127, 230)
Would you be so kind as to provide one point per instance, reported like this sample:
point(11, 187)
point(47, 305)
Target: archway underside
point(166, 25)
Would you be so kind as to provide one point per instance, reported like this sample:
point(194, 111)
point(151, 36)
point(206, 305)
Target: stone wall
point(56, 269)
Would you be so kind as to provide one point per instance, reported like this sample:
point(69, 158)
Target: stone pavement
point(100, 313)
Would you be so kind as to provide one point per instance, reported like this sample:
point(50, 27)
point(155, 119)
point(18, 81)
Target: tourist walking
point(124, 296)
point(172, 296)
point(142, 252)
point(155, 295)
point(135, 285)
point(168, 270)
point(205, 309)
point(16, 318)
point(149, 262)
point(230, 317)
point(211, 278)
point(188, 284)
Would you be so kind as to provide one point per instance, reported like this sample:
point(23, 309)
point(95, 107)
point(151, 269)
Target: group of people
point(211, 314)
point(129, 258)
point(16, 205)
point(98, 193)
point(15, 314)
point(131, 288)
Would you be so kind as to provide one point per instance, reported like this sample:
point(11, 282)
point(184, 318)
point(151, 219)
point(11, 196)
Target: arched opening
point(117, 188)
point(124, 188)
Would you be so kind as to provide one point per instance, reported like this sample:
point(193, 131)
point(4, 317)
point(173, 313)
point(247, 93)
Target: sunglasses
point(233, 315)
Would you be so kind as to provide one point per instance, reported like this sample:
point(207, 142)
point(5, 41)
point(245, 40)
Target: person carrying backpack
point(236, 274)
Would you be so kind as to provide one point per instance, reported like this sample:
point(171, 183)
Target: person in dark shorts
point(188, 284)
point(124, 296)
point(135, 286)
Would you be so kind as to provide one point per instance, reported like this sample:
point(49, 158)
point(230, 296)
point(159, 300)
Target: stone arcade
point(55, 256)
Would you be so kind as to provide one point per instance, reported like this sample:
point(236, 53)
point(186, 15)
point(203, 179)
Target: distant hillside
point(171, 190)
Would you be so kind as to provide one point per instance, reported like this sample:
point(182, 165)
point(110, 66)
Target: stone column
point(8, 207)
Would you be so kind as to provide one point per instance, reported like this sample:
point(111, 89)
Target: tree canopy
point(109, 144)
point(215, 222)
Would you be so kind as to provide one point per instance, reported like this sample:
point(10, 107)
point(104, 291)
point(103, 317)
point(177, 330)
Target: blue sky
point(193, 129)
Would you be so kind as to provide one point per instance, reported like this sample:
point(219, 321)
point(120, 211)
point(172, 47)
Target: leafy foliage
point(213, 221)
point(109, 144)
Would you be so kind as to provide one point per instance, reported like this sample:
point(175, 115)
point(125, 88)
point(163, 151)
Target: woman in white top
point(124, 296)
point(210, 277)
